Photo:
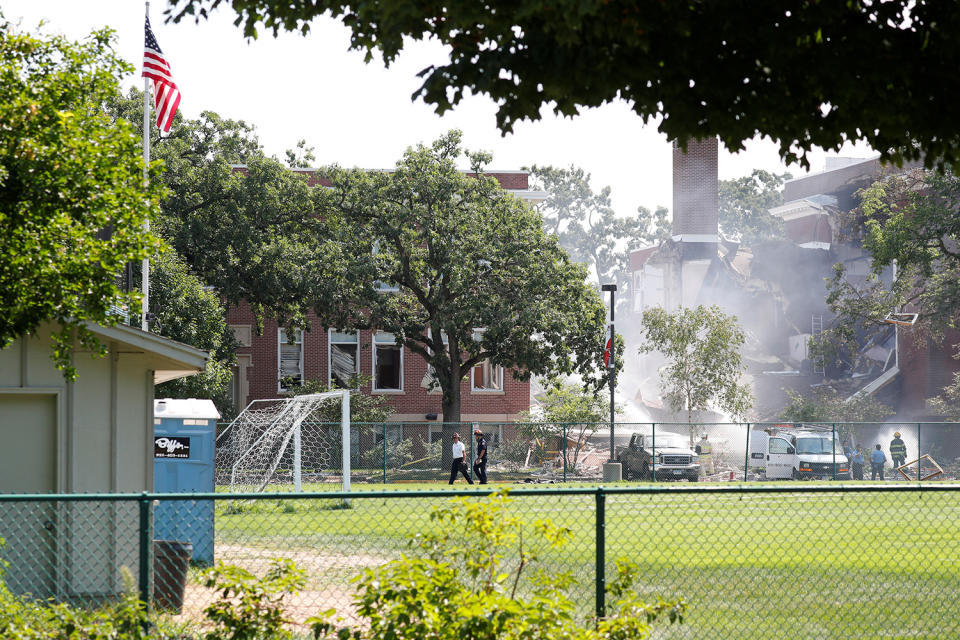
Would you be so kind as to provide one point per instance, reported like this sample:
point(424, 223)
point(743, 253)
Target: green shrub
point(464, 586)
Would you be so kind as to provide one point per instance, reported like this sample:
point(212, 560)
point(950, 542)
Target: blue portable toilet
point(184, 436)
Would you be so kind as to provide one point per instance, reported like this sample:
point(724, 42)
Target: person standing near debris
point(459, 460)
point(480, 464)
point(705, 451)
point(877, 458)
point(857, 462)
point(898, 451)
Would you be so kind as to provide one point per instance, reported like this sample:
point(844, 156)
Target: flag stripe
point(166, 95)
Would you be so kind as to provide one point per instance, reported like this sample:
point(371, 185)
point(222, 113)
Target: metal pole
point(345, 430)
point(146, 548)
point(145, 268)
point(613, 374)
point(601, 524)
point(384, 453)
point(919, 462)
point(564, 451)
point(746, 456)
point(833, 447)
point(297, 452)
point(653, 449)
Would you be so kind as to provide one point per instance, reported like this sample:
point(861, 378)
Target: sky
point(355, 114)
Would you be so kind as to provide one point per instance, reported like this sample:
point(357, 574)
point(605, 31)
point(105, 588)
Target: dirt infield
point(322, 592)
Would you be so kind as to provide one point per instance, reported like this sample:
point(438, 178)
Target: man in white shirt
point(459, 460)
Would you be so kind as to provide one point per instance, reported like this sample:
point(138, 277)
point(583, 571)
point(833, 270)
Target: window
point(430, 381)
point(343, 357)
point(290, 358)
point(485, 376)
point(387, 363)
point(779, 445)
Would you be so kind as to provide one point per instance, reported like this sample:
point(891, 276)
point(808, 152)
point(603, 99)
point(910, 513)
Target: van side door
point(781, 459)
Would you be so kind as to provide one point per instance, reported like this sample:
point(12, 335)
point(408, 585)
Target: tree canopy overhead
point(804, 73)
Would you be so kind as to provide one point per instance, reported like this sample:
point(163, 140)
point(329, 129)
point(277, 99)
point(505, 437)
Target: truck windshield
point(670, 441)
point(814, 446)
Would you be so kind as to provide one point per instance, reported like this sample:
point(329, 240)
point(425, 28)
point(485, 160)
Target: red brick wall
point(413, 404)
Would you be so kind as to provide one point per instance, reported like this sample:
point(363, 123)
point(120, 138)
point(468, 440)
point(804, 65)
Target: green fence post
point(918, 453)
point(746, 455)
point(564, 451)
point(601, 555)
point(146, 548)
point(472, 441)
point(385, 453)
point(653, 450)
point(833, 447)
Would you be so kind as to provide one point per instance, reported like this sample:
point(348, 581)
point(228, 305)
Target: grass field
point(772, 565)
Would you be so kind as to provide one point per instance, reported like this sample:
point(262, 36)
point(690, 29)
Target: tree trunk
point(451, 416)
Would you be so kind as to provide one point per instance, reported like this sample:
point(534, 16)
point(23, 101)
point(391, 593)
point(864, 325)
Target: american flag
point(166, 96)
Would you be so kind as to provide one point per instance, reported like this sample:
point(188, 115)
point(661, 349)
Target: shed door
point(28, 464)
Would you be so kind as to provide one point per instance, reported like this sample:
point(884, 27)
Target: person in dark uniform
point(459, 464)
point(480, 464)
point(898, 450)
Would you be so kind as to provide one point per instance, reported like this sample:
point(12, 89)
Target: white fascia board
point(825, 246)
point(172, 359)
point(876, 384)
point(529, 194)
point(796, 209)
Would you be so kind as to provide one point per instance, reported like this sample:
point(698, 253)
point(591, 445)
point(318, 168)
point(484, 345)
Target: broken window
point(290, 358)
point(387, 363)
point(344, 357)
point(485, 376)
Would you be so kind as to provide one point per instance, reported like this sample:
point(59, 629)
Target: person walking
point(480, 464)
point(459, 460)
point(857, 462)
point(898, 451)
point(877, 458)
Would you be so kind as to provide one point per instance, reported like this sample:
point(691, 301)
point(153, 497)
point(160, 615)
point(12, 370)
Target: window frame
point(477, 336)
point(281, 340)
point(375, 343)
point(330, 343)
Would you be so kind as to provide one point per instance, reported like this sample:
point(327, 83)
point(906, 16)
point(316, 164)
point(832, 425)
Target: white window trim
point(373, 384)
point(475, 389)
point(330, 344)
point(281, 332)
point(477, 336)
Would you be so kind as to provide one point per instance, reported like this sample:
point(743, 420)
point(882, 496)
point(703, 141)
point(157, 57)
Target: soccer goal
point(285, 442)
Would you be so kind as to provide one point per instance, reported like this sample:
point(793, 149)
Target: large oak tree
point(459, 271)
point(805, 73)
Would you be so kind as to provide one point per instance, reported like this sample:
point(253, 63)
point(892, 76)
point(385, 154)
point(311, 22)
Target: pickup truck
point(675, 460)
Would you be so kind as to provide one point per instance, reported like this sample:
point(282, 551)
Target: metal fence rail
point(751, 560)
point(386, 453)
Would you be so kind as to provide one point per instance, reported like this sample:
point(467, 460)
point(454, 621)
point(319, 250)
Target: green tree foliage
point(806, 74)
point(469, 581)
point(566, 410)
point(72, 199)
point(908, 222)
point(189, 312)
point(704, 366)
point(251, 608)
point(745, 205)
point(826, 405)
point(475, 276)
point(588, 228)
point(251, 234)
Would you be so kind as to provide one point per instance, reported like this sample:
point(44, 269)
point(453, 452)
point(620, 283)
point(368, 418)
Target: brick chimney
point(695, 206)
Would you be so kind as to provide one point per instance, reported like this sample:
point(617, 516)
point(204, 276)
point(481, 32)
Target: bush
point(463, 587)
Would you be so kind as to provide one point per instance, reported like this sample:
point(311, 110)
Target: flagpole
point(144, 324)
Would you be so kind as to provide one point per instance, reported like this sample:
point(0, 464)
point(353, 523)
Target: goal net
point(283, 443)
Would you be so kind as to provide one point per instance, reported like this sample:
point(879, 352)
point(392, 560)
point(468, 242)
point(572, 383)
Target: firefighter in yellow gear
point(705, 451)
point(898, 450)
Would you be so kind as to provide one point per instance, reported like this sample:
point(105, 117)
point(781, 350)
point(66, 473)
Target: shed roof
point(167, 358)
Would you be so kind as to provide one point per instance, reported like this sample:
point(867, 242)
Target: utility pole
point(612, 471)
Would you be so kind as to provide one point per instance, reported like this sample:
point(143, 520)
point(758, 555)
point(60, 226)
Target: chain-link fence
point(388, 453)
point(759, 561)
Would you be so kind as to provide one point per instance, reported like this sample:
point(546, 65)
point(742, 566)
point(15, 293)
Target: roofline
point(315, 169)
point(187, 360)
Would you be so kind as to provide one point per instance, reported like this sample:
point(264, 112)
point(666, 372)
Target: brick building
point(269, 362)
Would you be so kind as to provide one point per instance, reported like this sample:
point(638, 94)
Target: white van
point(798, 454)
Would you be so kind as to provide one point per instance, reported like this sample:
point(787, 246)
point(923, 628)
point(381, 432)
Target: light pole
point(612, 472)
